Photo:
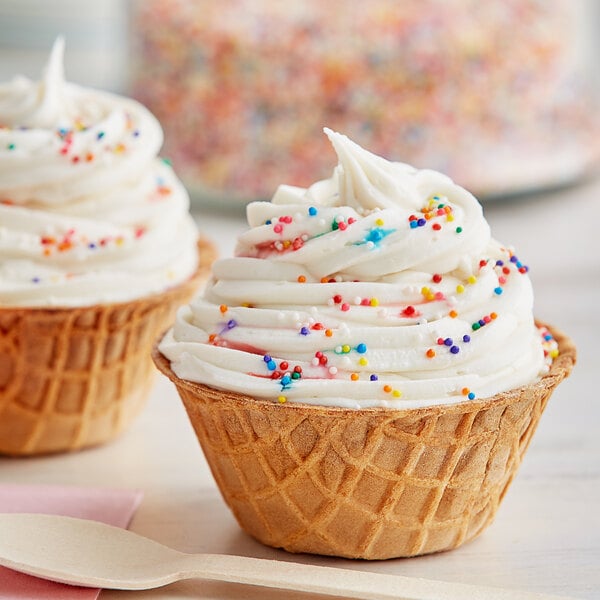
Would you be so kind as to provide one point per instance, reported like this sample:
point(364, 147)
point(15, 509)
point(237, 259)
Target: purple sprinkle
point(499, 263)
point(421, 222)
point(231, 324)
point(373, 378)
point(304, 331)
point(36, 280)
point(466, 338)
point(455, 349)
point(448, 342)
point(513, 259)
point(481, 322)
point(267, 358)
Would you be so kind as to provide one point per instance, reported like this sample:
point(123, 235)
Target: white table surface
point(546, 537)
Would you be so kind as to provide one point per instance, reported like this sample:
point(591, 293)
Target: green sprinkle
point(459, 230)
point(167, 161)
point(11, 146)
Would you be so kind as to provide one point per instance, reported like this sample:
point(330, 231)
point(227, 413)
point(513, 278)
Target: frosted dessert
point(88, 212)
point(365, 374)
point(97, 250)
point(381, 286)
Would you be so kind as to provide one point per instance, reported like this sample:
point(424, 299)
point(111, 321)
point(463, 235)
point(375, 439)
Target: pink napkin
point(115, 507)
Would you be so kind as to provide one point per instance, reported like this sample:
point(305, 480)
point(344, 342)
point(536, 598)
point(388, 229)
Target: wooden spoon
point(89, 553)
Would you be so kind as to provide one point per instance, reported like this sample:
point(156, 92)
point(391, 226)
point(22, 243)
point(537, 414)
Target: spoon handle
point(340, 582)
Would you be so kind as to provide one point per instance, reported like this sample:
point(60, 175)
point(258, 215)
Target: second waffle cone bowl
point(76, 377)
point(371, 483)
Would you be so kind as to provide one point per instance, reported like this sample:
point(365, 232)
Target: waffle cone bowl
point(76, 377)
point(371, 483)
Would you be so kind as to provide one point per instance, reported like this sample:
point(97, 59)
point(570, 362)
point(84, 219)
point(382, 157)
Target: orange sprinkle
point(465, 391)
point(223, 308)
point(89, 157)
point(354, 376)
point(493, 315)
point(387, 389)
point(212, 337)
point(328, 332)
point(430, 353)
point(46, 251)
point(301, 279)
point(453, 314)
point(323, 279)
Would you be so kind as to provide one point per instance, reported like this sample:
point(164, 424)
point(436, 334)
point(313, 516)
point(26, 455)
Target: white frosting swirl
point(378, 287)
point(88, 213)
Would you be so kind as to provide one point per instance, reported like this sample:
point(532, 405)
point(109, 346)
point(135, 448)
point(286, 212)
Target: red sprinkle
point(437, 278)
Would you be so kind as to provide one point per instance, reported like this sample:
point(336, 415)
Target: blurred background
point(501, 95)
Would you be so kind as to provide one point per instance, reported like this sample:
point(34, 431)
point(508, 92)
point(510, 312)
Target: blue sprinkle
point(286, 380)
point(92, 246)
point(466, 338)
point(471, 396)
point(136, 133)
point(35, 280)
point(413, 224)
point(519, 264)
point(231, 324)
point(421, 222)
point(373, 378)
point(268, 222)
point(481, 322)
point(448, 342)
point(304, 331)
point(312, 211)
point(499, 263)
point(498, 290)
point(513, 259)
point(361, 348)
point(100, 135)
point(548, 337)
point(455, 349)
point(267, 358)
point(271, 365)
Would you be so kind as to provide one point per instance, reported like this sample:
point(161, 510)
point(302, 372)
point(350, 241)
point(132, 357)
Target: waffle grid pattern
point(76, 377)
point(369, 483)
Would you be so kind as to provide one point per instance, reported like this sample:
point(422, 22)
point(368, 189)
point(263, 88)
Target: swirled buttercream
point(88, 212)
point(381, 286)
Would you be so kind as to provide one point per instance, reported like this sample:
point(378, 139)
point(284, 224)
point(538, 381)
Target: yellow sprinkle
point(425, 291)
point(460, 288)
point(119, 241)
point(430, 296)
point(449, 217)
point(472, 279)
point(554, 353)
point(374, 302)
point(379, 222)
point(396, 393)
point(345, 348)
point(281, 399)
point(363, 362)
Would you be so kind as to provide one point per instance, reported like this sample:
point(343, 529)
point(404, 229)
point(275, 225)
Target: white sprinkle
point(333, 370)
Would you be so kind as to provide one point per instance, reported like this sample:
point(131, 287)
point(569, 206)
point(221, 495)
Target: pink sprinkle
point(345, 306)
point(278, 228)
